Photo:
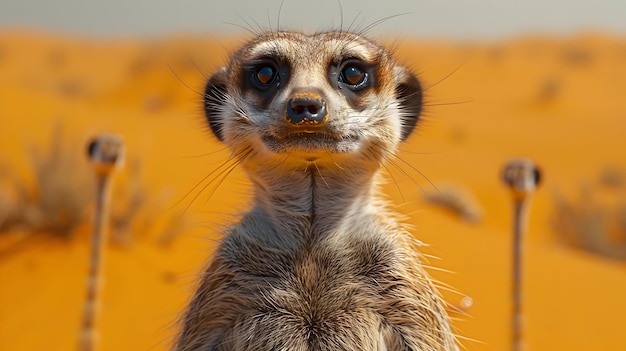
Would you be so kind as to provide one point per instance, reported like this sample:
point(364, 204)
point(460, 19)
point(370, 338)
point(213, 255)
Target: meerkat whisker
point(250, 28)
point(378, 22)
point(216, 151)
point(444, 78)
point(395, 183)
point(449, 103)
point(221, 175)
point(340, 16)
point(404, 173)
point(247, 29)
point(320, 174)
point(395, 157)
point(233, 158)
point(182, 81)
point(195, 65)
point(352, 23)
point(407, 151)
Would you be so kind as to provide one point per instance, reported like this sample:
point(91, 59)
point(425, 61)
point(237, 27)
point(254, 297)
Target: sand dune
point(558, 101)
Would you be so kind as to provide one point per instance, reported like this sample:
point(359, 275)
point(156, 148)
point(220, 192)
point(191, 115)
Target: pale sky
point(425, 18)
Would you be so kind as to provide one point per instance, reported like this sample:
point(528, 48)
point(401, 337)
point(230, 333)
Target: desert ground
point(560, 101)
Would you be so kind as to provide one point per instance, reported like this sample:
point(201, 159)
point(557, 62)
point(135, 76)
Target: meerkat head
point(309, 98)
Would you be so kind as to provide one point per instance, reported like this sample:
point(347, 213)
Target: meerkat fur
point(319, 262)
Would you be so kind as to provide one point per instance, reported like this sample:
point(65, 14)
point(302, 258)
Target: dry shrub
point(549, 89)
point(61, 196)
point(577, 56)
point(612, 178)
point(128, 201)
point(56, 202)
point(457, 200)
point(596, 220)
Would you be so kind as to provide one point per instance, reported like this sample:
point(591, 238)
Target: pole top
point(522, 176)
point(106, 152)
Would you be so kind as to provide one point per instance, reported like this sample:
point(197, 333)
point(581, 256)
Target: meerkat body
point(319, 263)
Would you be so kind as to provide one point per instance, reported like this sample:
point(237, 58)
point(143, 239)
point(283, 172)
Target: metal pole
point(106, 153)
point(522, 178)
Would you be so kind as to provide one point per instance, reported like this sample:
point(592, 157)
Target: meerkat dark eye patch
point(263, 74)
point(262, 78)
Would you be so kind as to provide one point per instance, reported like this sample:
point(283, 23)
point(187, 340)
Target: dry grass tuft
point(129, 200)
point(61, 196)
point(596, 220)
point(56, 202)
point(456, 200)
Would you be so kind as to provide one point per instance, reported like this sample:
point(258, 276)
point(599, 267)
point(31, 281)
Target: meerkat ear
point(214, 98)
point(409, 94)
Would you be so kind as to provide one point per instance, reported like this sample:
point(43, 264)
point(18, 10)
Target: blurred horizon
point(542, 80)
point(452, 19)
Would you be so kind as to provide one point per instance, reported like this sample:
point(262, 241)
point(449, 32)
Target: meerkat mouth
point(310, 135)
point(310, 141)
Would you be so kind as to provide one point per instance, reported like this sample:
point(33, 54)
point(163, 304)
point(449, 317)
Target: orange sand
point(559, 101)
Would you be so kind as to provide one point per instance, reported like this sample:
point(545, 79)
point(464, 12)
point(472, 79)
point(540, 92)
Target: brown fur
point(319, 263)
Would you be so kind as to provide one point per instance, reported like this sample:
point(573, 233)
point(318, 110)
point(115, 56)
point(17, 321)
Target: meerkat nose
point(306, 109)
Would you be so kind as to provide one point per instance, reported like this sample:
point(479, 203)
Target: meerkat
point(319, 262)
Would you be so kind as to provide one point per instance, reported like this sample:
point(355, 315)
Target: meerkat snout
point(306, 109)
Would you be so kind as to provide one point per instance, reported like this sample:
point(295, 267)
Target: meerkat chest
point(320, 297)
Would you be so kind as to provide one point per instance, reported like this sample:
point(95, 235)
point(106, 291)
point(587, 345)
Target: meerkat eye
point(353, 76)
point(265, 75)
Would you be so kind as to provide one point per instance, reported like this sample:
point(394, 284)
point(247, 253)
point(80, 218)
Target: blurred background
point(545, 80)
point(438, 19)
